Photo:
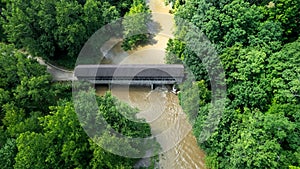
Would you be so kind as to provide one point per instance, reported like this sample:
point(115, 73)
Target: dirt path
point(58, 74)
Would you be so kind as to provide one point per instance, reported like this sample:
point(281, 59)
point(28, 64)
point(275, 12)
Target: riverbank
point(159, 107)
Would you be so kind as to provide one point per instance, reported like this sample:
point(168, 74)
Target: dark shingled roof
point(130, 70)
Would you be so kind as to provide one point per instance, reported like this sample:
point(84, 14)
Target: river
point(159, 107)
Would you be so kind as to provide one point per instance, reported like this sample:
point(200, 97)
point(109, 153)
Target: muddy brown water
point(160, 107)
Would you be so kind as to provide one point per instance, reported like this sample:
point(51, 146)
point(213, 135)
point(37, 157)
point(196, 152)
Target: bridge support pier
point(109, 86)
point(152, 86)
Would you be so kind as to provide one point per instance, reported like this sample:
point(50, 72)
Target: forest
point(259, 47)
point(257, 42)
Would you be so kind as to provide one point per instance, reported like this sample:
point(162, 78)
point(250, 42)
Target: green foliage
point(29, 85)
point(62, 127)
point(73, 148)
point(62, 90)
point(13, 115)
point(293, 167)
point(92, 9)
point(269, 36)
point(195, 65)
point(30, 136)
point(246, 77)
point(258, 141)
point(251, 86)
point(112, 110)
point(287, 13)
point(35, 90)
point(14, 61)
point(211, 161)
point(191, 93)
point(178, 52)
point(7, 154)
point(105, 123)
point(284, 73)
point(3, 136)
point(2, 18)
point(259, 127)
point(253, 139)
point(135, 25)
point(228, 22)
point(8, 61)
point(26, 94)
point(16, 121)
point(31, 151)
point(4, 98)
point(55, 30)
point(175, 49)
point(103, 159)
point(122, 6)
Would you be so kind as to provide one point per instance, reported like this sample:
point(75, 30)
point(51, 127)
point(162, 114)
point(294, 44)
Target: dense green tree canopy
point(257, 43)
point(287, 13)
point(32, 135)
point(258, 47)
point(73, 148)
point(39, 130)
point(2, 34)
point(55, 30)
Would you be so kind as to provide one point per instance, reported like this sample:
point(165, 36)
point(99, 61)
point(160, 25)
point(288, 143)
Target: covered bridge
point(137, 74)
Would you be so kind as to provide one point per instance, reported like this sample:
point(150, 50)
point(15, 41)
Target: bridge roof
point(130, 70)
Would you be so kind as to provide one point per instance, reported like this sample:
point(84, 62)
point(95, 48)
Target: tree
point(2, 33)
point(13, 116)
point(237, 21)
point(288, 139)
point(119, 116)
point(8, 60)
point(253, 139)
point(284, 73)
point(269, 36)
point(175, 49)
point(8, 153)
point(97, 14)
point(265, 140)
point(250, 72)
point(259, 127)
point(4, 98)
point(55, 30)
point(70, 32)
point(287, 13)
point(122, 6)
point(71, 148)
point(228, 22)
point(135, 25)
point(14, 61)
point(29, 85)
point(193, 95)
point(32, 151)
point(113, 124)
point(104, 159)
point(35, 90)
